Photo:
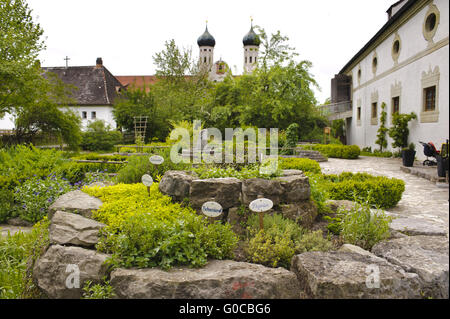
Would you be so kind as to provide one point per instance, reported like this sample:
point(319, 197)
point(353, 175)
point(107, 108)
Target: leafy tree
point(382, 130)
point(399, 132)
point(20, 44)
point(100, 137)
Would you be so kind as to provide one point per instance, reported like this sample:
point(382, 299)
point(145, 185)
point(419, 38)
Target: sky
point(127, 34)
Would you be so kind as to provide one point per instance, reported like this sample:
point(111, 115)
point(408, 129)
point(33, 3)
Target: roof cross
point(67, 61)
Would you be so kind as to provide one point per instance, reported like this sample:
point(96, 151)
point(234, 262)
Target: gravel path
point(421, 199)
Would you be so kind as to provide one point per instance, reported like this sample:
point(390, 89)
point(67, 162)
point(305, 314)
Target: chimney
point(99, 63)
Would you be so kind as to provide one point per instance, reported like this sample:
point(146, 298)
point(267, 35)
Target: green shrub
point(377, 153)
point(98, 291)
point(362, 227)
point(140, 165)
point(35, 196)
point(7, 207)
point(335, 151)
point(18, 253)
point(99, 137)
point(319, 192)
point(21, 162)
point(378, 191)
point(280, 240)
point(151, 231)
point(303, 164)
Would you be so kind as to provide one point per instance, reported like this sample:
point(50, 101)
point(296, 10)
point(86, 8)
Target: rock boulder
point(224, 279)
point(426, 256)
point(177, 184)
point(56, 272)
point(225, 191)
point(73, 229)
point(345, 275)
point(75, 202)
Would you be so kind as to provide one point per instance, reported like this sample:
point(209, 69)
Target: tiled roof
point(137, 81)
point(96, 85)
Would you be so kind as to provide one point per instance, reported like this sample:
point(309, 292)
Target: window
point(374, 117)
point(93, 115)
point(204, 60)
point(396, 47)
point(358, 113)
point(429, 103)
point(396, 104)
point(255, 59)
point(245, 59)
point(250, 59)
point(374, 110)
point(431, 22)
point(84, 115)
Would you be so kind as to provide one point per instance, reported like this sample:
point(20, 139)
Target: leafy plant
point(363, 227)
point(399, 131)
point(151, 231)
point(303, 164)
point(98, 291)
point(382, 130)
point(280, 240)
point(18, 253)
point(99, 136)
point(335, 151)
point(35, 196)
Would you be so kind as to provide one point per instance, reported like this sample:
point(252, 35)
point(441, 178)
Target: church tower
point(251, 47)
point(206, 43)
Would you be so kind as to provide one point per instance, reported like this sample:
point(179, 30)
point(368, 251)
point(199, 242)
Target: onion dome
point(206, 39)
point(251, 38)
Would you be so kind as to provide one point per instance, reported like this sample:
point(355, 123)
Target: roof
point(206, 39)
point(390, 22)
point(137, 81)
point(251, 38)
point(95, 84)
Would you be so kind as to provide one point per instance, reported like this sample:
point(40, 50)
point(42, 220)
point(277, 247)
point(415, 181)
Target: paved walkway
point(421, 199)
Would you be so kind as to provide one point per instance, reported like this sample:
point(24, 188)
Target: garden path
point(421, 199)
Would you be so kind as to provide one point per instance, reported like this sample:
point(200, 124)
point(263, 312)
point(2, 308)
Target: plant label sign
point(156, 160)
point(212, 209)
point(147, 180)
point(261, 205)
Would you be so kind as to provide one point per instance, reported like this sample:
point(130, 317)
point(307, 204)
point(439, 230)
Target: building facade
point(405, 65)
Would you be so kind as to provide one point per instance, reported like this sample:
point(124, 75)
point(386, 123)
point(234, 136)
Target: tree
point(20, 44)
point(399, 132)
point(99, 136)
point(382, 130)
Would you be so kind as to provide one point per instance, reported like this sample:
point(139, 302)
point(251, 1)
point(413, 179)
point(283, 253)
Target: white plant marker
point(212, 209)
point(156, 160)
point(260, 206)
point(147, 180)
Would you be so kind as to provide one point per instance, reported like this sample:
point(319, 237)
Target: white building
point(94, 93)
point(405, 65)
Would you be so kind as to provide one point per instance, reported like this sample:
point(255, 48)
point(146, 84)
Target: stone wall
point(289, 193)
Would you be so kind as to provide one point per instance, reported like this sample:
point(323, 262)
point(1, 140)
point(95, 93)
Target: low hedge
point(303, 164)
point(378, 191)
point(335, 151)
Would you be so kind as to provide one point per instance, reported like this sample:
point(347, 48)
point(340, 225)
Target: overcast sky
point(126, 34)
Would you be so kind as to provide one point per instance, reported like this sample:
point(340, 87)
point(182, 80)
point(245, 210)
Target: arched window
point(250, 59)
point(204, 60)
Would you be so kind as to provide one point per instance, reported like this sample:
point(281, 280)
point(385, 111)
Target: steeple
point(251, 43)
point(206, 43)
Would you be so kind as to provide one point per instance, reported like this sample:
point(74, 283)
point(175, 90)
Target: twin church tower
point(218, 70)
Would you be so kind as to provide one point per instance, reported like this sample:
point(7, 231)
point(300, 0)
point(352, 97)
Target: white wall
point(416, 56)
point(102, 113)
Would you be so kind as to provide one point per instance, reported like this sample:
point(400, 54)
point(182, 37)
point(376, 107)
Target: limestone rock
point(336, 204)
point(225, 191)
point(68, 228)
point(253, 187)
point(295, 188)
point(417, 226)
point(17, 221)
point(345, 275)
point(291, 172)
point(55, 272)
point(224, 279)
point(349, 248)
point(75, 202)
point(177, 184)
point(304, 213)
point(426, 256)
